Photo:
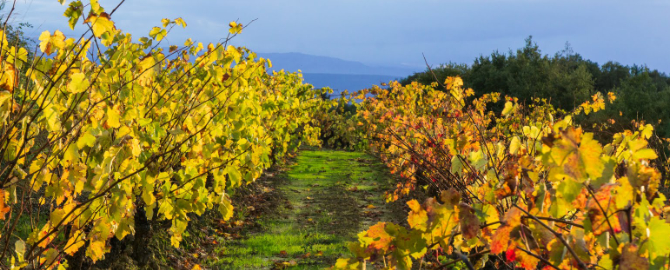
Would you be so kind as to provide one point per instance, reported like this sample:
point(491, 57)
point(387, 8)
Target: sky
point(398, 32)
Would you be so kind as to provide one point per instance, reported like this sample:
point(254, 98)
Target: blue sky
point(395, 32)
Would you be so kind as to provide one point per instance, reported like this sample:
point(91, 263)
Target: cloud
point(394, 31)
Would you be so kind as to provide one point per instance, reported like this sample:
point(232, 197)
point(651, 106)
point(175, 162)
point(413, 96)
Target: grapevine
point(525, 187)
point(99, 128)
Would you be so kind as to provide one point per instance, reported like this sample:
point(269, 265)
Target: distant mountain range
point(330, 65)
point(338, 74)
point(341, 82)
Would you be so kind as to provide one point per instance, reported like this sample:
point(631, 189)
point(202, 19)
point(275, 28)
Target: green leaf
point(52, 117)
point(658, 231)
point(157, 33)
point(17, 57)
point(71, 154)
point(126, 226)
point(234, 176)
point(456, 165)
point(20, 249)
point(225, 207)
point(5, 104)
point(96, 8)
point(87, 139)
point(73, 13)
point(78, 84)
point(566, 192)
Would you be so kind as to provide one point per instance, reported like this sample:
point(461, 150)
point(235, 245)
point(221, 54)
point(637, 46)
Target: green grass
point(324, 194)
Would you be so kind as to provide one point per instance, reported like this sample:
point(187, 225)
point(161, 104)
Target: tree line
point(566, 80)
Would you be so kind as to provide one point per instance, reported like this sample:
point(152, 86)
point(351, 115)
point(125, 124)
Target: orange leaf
point(501, 238)
point(8, 79)
point(382, 238)
point(4, 209)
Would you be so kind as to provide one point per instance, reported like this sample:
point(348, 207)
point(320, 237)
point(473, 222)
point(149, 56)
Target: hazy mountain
point(338, 74)
point(330, 65)
point(341, 82)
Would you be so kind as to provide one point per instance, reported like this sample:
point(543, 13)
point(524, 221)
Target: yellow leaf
point(225, 207)
point(78, 84)
point(181, 22)
point(647, 131)
point(589, 151)
point(645, 154)
point(235, 28)
point(576, 157)
point(64, 215)
point(508, 108)
point(514, 146)
point(45, 45)
point(74, 243)
point(418, 217)
point(625, 193)
point(95, 7)
point(50, 42)
point(100, 24)
point(96, 250)
point(113, 118)
point(611, 97)
point(157, 33)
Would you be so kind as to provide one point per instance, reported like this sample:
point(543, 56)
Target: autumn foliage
point(522, 187)
point(99, 128)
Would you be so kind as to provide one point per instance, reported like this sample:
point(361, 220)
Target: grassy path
point(322, 201)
